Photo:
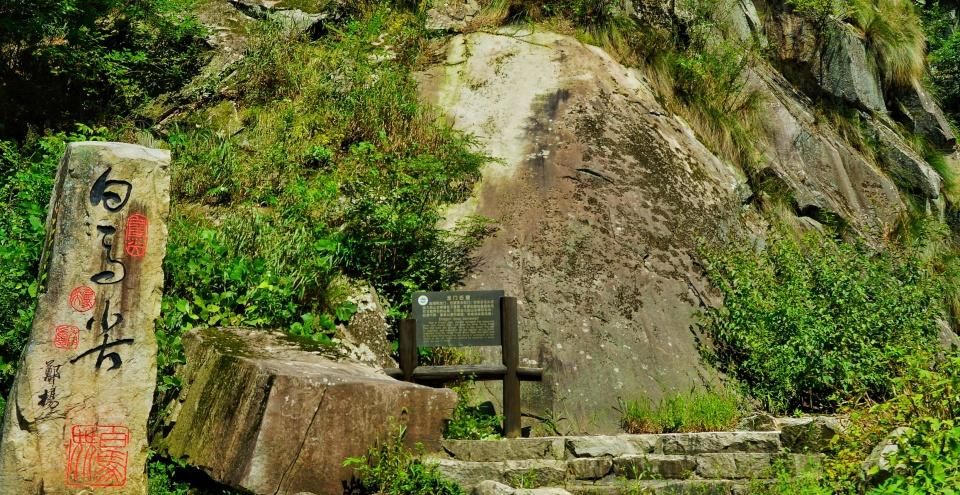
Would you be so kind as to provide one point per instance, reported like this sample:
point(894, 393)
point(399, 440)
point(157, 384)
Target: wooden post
point(408, 348)
point(511, 359)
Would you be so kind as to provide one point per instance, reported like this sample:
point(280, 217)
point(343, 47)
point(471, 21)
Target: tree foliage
point(64, 61)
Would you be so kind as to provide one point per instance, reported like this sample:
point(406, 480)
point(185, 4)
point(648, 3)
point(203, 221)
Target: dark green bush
point(64, 61)
point(814, 323)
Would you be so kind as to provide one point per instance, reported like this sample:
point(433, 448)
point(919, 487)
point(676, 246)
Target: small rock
point(809, 434)
point(758, 422)
point(451, 15)
point(876, 468)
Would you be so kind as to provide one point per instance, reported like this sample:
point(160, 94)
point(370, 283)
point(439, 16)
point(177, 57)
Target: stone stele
point(76, 420)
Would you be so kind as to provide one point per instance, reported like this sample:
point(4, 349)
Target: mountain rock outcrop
point(601, 196)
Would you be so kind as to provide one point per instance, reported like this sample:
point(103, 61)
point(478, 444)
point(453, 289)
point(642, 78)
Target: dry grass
point(895, 36)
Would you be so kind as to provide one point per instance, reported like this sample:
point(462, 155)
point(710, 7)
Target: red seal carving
point(66, 337)
point(135, 236)
point(82, 298)
point(97, 456)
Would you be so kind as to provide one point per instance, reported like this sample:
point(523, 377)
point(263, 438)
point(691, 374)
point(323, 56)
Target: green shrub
point(333, 171)
point(814, 323)
point(928, 460)
point(65, 61)
point(472, 422)
point(393, 469)
point(943, 41)
point(682, 412)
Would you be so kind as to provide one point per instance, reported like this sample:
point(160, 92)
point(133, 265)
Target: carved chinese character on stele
point(76, 419)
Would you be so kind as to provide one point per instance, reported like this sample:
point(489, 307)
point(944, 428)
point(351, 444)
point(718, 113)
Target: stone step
point(560, 448)
point(665, 487)
point(532, 473)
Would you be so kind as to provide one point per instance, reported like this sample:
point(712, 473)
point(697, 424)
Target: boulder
point(831, 58)
point(758, 422)
point(261, 412)
point(921, 114)
point(847, 72)
point(906, 167)
point(809, 434)
point(451, 15)
point(601, 196)
point(877, 467)
point(76, 419)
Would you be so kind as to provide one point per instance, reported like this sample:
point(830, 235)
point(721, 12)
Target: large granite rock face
point(601, 197)
point(76, 420)
point(847, 71)
point(260, 412)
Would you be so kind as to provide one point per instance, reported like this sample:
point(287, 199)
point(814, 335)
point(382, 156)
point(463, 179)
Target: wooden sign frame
point(510, 372)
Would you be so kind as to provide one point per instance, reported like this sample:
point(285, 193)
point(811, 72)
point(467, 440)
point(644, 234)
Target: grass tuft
point(682, 413)
point(895, 36)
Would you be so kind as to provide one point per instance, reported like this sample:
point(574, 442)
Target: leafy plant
point(392, 469)
point(814, 323)
point(472, 422)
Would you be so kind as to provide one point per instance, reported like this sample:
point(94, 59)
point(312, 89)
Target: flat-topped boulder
point(265, 413)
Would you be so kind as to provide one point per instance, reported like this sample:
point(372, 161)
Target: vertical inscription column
point(76, 420)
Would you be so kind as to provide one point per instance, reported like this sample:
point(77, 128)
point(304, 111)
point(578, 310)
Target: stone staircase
point(734, 462)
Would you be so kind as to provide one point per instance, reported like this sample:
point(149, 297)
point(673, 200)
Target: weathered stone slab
point(507, 449)
point(655, 466)
point(738, 441)
point(262, 413)
point(531, 472)
point(494, 488)
point(735, 466)
point(77, 417)
point(611, 445)
point(589, 468)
